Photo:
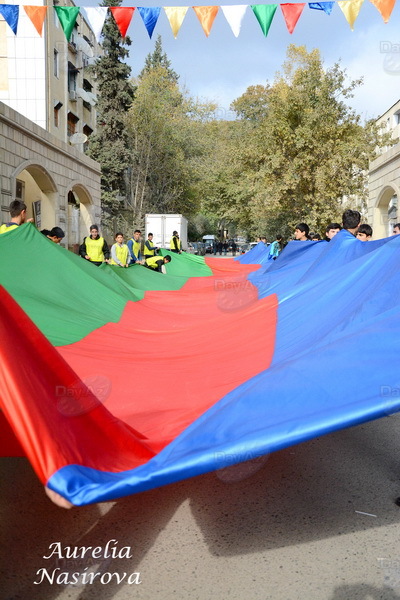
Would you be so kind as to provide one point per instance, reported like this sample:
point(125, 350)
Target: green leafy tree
point(199, 226)
point(158, 58)
point(299, 150)
point(253, 105)
point(110, 145)
point(166, 141)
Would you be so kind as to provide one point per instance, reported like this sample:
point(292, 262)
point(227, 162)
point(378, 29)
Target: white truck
point(162, 227)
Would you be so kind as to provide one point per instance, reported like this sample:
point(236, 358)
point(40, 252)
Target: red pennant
point(291, 13)
point(123, 17)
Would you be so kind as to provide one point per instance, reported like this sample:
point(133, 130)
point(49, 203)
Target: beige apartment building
point(384, 179)
point(47, 83)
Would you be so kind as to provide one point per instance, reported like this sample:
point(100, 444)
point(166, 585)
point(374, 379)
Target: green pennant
point(264, 13)
point(67, 16)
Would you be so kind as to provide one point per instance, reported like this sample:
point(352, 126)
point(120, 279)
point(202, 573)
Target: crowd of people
point(95, 249)
point(351, 221)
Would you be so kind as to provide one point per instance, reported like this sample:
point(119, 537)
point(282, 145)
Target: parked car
point(209, 247)
point(201, 248)
point(197, 248)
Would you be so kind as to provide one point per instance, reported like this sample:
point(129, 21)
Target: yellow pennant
point(350, 9)
point(385, 7)
point(175, 16)
point(206, 16)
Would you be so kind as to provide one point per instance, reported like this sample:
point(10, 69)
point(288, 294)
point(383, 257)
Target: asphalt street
point(315, 521)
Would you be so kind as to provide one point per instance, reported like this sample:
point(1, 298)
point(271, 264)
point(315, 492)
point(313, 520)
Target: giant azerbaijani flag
point(115, 381)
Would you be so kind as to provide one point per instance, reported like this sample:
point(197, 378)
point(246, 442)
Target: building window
point(71, 124)
point(72, 73)
point(56, 66)
point(19, 190)
point(87, 86)
point(397, 118)
point(57, 108)
point(87, 131)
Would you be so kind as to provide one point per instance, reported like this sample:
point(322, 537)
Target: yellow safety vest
point(136, 248)
point(122, 254)
point(148, 252)
point(175, 243)
point(94, 249)
point(152, 262)
point(7, 228)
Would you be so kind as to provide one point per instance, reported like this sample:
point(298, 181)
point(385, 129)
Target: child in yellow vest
point(119, 252)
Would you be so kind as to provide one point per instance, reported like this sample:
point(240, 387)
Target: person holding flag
point(175, 244)
point(135, 248)
point(94, 247)
point(156, 263)
point(149, 248)
point(119, 252)
point(18, 216)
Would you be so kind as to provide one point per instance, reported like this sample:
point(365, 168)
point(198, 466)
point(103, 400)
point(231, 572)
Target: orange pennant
point(385, 7)
point(123, 17)
point(37, 15)
point(206, 16)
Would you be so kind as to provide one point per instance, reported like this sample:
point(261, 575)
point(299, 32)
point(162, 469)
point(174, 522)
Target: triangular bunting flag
point(95, 16)
point(291, 13)
point(206, 16)
point(37, 15)
point(234, 15)
point(385, 7)
point(264, 14)
point(150, 17)
point(123, 17)
point(325, 6)
point(175, 16)
point(10, 12)
point(350, 9)
point(67, 16)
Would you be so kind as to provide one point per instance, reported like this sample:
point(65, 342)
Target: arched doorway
point(80, 217)
point(386, 212)
point(32, 184)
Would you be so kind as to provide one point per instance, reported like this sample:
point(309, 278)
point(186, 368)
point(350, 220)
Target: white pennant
point(234, 15)
point(95, 16)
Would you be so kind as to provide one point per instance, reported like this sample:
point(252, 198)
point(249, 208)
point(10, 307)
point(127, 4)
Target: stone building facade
point(46, 78)
point(58, 183)
point(47, 85)
point(384, 179)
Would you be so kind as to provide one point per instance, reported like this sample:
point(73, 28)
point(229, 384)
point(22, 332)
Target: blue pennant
point(150, 17)
point(10, 13)
point(325, 6)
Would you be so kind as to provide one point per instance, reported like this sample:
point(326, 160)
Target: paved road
point(285, 528)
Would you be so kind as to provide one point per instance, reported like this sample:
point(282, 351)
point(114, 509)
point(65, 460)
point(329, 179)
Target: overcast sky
point(221, 67)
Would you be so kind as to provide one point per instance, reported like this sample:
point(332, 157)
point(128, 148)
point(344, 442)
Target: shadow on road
point(305, 493)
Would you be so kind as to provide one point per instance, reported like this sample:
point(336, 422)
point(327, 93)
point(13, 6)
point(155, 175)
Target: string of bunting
point(234, 14)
